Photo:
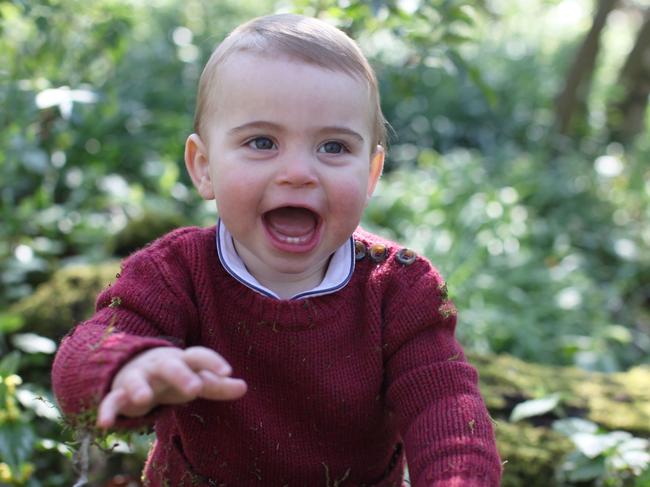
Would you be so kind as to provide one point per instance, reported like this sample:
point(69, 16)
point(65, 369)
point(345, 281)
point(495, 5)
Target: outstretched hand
point(167, 375)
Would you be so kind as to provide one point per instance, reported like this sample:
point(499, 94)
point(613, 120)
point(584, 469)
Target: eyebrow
point(264, 125)
point(258, 124)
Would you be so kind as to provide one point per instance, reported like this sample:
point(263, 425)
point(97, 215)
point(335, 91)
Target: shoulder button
point(378, 252)
point(360, 250)
point(406, 256)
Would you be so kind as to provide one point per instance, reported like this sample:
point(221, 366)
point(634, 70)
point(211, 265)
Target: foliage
point(617, 401)
point(543, 240)
point(90, 139)
point(529, 454)
point(30, 434)
point(613, 458)
point(531, 402)
point(550, 242)
point(39, 449)
point(535, 407)
point(67, 298)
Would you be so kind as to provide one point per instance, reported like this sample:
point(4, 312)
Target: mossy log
point(530, 449)
point(66, 299)
point(143, 229)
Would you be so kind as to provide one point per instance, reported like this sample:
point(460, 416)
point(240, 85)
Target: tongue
point(292, 222)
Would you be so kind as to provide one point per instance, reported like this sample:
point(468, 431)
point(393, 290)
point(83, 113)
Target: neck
point(284, 284)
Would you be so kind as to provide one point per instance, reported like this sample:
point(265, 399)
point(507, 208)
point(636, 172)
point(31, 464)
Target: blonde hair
point(303, 38)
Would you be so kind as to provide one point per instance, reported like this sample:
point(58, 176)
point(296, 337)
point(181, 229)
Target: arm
point(144, 309)
point(165, 375)
point(432, 390)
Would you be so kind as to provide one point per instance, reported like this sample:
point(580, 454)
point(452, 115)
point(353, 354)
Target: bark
point(626, 114)
point(573, 97)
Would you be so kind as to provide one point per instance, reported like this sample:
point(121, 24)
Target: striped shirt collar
point(339, 270)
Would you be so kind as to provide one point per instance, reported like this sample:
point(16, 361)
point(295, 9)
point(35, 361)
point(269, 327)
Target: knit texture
point(342, 387)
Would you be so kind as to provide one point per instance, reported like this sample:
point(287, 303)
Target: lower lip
point(295, 245)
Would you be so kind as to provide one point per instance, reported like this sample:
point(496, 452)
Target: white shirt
point(339, 269)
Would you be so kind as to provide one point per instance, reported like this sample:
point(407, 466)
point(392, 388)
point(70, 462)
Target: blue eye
point(261, 143)
point(332, 147)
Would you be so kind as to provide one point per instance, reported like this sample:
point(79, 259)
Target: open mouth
point(292, 228)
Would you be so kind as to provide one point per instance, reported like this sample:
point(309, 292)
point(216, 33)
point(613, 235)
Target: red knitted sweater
point(341, 387)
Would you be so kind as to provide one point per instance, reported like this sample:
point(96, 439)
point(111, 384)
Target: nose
point(297, 169)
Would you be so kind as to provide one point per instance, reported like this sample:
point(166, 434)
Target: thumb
point(110, 406)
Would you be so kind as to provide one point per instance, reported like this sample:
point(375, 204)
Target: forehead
point(277, 86)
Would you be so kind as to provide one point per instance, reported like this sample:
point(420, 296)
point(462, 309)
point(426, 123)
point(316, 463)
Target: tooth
point(294, 240)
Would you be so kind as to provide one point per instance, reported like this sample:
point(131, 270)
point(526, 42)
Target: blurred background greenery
point(518, 165)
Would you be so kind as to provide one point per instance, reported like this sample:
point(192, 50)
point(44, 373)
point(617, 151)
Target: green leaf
point(644, 479)
point(16, 442)
point(475, 75)
point(534, 407)
point(10, 322)
point(588, 470)
point(592, 446)
point(488, 93)
point(635, 460)
point(455, 39)
point(571, 426)
point(9, 364)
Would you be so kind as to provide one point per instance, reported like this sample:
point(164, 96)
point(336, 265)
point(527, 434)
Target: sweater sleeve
point(144, 308)
point(432, 390)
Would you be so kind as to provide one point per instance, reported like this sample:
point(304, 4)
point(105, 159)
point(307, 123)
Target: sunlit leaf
point(592, 445)
point(534, 407)
point(571, 426)
point(38, 403)
point(64, 98)
point(635, 460)
point(33, 343)
point(49, 444)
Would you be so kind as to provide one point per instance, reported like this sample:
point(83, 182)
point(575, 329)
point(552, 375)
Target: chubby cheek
point(347, 200)
point(235, 201)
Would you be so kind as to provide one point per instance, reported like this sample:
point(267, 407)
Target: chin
point(292, 266)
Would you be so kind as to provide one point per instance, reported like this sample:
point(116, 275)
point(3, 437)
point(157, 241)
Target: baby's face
point(290, 161)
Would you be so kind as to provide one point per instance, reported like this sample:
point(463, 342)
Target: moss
point(66, 299)
point(144, 229)
point(531, 449)
point(615, 401)
point(85, 421)
point(529, 453)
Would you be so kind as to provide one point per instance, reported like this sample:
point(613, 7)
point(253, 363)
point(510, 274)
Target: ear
point(198, 166)
point(376, 167)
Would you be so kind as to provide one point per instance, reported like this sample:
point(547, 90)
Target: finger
point(110, 407)
point(221, 388)
point(201, 358)
point(139, 392)
point(178, 375)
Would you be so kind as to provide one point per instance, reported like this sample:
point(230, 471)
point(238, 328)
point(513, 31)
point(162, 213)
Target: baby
point(285, 345)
